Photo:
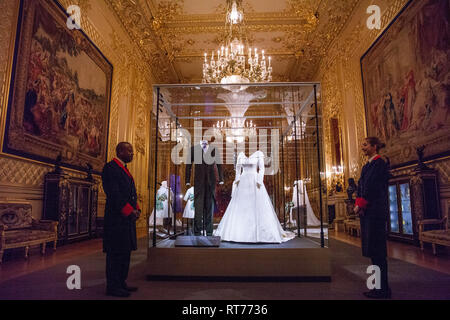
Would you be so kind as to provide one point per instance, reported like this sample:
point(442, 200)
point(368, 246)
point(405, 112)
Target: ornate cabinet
point(425, 191)
point(73, 203)
point(412, 198)
point(401, 223)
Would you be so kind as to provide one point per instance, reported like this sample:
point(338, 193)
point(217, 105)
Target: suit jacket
point(119, 232)
point(204, 172)
point(372, 192)
point(373, 198)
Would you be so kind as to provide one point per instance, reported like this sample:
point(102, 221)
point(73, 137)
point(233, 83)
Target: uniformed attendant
point(121, 213)
point(372, 206)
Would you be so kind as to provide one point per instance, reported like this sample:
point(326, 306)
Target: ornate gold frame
point(5, 97)
point(396, 19)
point(96, 54)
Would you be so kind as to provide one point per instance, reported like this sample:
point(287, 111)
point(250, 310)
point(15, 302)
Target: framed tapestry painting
point(406, 83)
point(60, 91)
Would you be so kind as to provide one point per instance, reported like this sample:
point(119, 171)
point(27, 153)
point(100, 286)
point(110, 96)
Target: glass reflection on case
point(393, 208)
point(406, 208)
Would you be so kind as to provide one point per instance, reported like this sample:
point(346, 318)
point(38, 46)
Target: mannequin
point(304, 201)
point(250, 216)
point(189, 209)
point(206, 158)
point(163, 209)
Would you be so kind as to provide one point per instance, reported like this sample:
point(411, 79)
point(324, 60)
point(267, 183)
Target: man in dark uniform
point(121, 213)
point(372, 206)
point(206, 157)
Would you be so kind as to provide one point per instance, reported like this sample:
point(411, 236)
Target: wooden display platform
point(300, 259)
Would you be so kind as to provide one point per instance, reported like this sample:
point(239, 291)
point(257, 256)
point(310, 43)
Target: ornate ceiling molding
point(145, 33)
point(167, 34)
point(345, 52)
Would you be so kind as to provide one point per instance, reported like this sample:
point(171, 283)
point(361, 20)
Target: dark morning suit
point(204, 185)
point(372, 197)
point(119, 236)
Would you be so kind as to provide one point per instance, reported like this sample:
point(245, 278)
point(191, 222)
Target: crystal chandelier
point(235, 129)
point(230, 64)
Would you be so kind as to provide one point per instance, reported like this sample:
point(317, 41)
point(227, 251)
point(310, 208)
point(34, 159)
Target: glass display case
point(400, 213)
point(237, 166)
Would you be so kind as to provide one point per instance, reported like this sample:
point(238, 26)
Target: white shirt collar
point(373, 157)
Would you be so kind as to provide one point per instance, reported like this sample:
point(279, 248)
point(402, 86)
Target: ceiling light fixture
point(231, 64)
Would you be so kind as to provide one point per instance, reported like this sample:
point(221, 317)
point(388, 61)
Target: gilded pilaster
point(344, 54)
point(131, 86)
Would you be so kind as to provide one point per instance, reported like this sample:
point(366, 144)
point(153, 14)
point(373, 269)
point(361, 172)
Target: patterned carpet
point(408, 281)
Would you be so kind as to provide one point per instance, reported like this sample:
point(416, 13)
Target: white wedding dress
point(250, 216)
point(311, 219)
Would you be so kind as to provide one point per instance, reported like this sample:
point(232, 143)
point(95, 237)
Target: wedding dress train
point(311, 219)
point(250, 216)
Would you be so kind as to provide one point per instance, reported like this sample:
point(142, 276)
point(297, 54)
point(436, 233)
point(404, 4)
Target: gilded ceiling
point(173, 35)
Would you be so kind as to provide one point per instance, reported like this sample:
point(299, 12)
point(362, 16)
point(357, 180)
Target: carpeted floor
point(408, 281)
point(295, 243)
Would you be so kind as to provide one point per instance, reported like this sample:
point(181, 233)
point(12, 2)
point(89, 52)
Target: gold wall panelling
point(131, 74)
point(8, 15)
point(161, 29)
point(444, 172)
point(22, 172)
point(345, 53)
point(85, 5)
point(145, 33)
point(332, 99)
point(111, 54)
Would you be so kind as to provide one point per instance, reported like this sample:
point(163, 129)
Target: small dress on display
point(250, 216)
point(189, 209)
point(163, 209)
point(304, 200)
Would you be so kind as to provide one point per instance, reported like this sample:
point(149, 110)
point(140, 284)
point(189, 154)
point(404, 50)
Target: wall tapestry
point(407, 83)
point(60, 91)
